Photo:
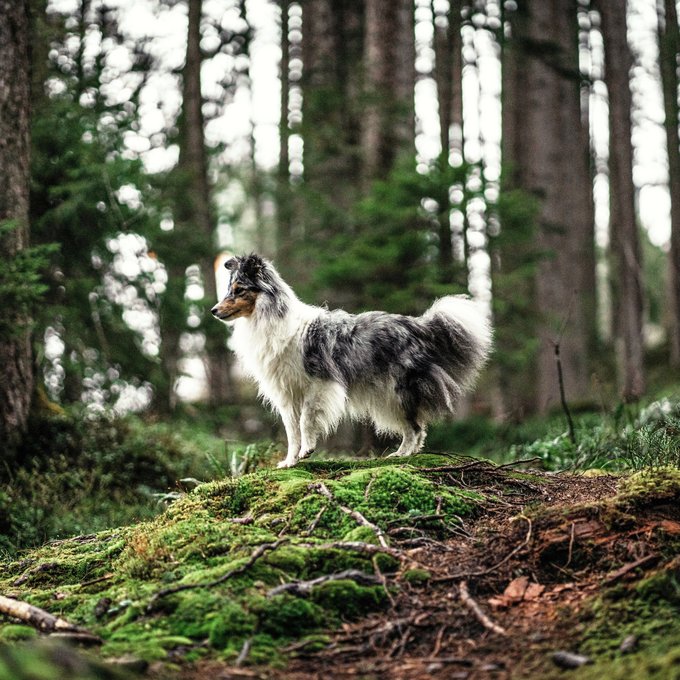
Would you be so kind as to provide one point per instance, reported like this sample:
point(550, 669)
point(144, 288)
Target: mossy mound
point(109, 582)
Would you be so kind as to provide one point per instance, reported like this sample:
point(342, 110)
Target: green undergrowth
point(631, 629)
point(106, 582)
point(643, 616)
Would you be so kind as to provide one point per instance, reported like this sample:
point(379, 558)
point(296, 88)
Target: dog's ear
point(252, 266)
point(232, 264)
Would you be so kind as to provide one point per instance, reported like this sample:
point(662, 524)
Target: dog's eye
point(239, 290)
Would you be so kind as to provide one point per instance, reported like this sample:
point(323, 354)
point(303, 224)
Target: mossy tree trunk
point(16, 367)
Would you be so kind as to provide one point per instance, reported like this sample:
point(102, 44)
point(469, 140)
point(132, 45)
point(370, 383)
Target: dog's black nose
point(214, 311)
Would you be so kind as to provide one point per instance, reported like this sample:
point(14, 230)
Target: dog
point(315, 366)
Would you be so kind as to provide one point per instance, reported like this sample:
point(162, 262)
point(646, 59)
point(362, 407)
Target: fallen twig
point(304, 588)
point(467, 600)
point(315, 522)
point(43, 620)
point(356, 546)
point(622, 571)
point(254, 556)
point(92, 582)
point(243, 655)
point(45, 566)
point(321, 488)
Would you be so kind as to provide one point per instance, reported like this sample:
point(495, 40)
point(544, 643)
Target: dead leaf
point(516, 588)
point(533, 591)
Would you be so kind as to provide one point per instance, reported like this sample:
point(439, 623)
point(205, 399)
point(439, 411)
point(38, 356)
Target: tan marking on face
point(235, 307)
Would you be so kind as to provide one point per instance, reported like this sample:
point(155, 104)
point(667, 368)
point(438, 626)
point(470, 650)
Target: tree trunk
point(625, 242)
point(283, 199)
point(448, 73)
point(388, 127)
point(669, 51)
point(544, 158)
point(16, 368)
point(194, 214)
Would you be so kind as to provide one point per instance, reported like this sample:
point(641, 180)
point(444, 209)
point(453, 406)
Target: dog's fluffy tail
point(470, 332)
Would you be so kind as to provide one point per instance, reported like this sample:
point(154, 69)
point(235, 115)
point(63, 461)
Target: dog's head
point(251, 277)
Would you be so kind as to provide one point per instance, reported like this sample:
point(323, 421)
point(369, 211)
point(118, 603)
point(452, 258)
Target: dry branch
point(254, 556)
point(321, 488)
point(42, 620)
point(304, 588)
point(467, 600)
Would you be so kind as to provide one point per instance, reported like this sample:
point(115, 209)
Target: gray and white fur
point(316, 366)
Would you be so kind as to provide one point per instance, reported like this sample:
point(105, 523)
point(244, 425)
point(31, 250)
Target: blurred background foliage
point(382, 154)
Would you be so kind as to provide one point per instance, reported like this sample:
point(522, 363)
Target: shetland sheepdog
point(315, 366)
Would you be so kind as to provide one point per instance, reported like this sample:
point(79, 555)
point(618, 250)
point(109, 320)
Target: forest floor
point(534, 562)
point(486, 572)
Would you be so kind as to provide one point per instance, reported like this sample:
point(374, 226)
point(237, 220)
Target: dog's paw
point(286, 463)
point(398, 454)
point(305, 454)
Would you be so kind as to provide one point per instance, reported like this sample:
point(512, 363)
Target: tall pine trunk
point(16, 368)
point(623, 230)
point(669, 52)
point(194, 225)
point(389, 64)
point(448, 75)
point(544, 159)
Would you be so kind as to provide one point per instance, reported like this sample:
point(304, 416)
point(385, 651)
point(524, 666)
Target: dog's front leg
point(291, 421)
point(322, 409)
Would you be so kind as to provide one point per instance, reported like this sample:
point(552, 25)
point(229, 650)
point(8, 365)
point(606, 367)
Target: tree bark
point(669, 52)
point(625, 242)
point(194, 225)
point(16, 368)
point(448, 74)
point(285, 218)
point(544, 158)
point(388, 125)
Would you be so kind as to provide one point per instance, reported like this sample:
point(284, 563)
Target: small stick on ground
point(243, 655)
point(467, 600)
point(315, 522)
point(41, 568)
point(254, 556)
point(563, 398)
point(321, 488)
point(42, 620)
point(304, 588)
point(571, 546)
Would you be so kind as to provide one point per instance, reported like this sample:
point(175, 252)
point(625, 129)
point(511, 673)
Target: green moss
point(347, 599)
point(197, 542)
point(284, 616)
point(416, 577)
point(650, 486)
point(15, 633)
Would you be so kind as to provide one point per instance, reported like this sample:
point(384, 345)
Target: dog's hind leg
point(291, 421)
point(413, 435)
point(322, 409)
point(412, 441)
